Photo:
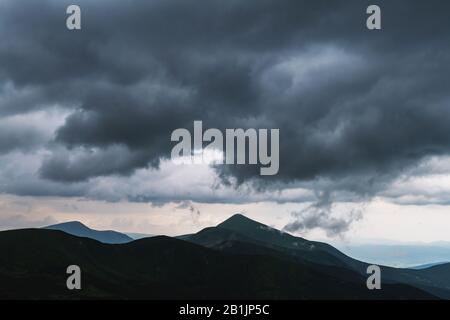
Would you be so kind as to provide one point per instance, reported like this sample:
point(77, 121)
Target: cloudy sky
point(364, 116)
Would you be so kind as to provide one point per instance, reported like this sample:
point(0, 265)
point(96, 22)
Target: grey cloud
point(24, 138)
point(75, 165)
point(355, 107)
point(319, 216)
point(305, 222)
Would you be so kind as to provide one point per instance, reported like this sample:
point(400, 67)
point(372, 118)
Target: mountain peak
point(78, 229)
point(237, 219)
point(243, 224)
point(238, 216)
point(258, 231)
point(75, 224)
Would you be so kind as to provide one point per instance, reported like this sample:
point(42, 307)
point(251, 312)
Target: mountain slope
point(137, 236)
point(80, 230)
point(33, 264)
point(223, 239)
point(317, 252)
point(266, 240)
point(428, 265)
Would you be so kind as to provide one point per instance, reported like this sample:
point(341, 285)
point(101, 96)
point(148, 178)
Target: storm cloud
point(355, 108)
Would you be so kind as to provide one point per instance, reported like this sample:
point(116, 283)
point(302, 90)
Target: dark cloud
point(78, 165)
point(23, 138)
point(354, 107)
point(319, 216)
point(189, 206)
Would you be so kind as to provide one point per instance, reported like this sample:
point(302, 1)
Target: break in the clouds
point(356, 108)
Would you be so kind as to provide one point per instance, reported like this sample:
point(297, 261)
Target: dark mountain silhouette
point(33, 264)
point(243, 229)
point(80, 230)
point(232, 234)
point(239, 258)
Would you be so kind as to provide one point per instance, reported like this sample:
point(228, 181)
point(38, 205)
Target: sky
point(364, 115)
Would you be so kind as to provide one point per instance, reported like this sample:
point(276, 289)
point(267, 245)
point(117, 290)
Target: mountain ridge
point(79, 229)
point(34, 261)
point(236, 241)
point(241, 228)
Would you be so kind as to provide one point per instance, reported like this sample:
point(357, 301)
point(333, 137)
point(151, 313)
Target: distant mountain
point(428, 265)
point(137, 236)
point(399, 255)
point(80, 230)
point(33, 265)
